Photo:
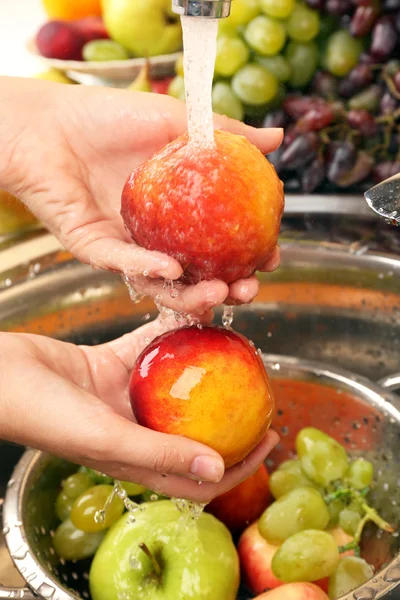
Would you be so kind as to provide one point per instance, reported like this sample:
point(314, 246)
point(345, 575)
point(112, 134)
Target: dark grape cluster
point(345, 133)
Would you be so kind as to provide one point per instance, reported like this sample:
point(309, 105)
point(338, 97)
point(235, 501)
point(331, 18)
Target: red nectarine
point(243, 504)
point(60, 39)
point(208, 384)
point(295, 591)
point(255, 555)
point(216, 209)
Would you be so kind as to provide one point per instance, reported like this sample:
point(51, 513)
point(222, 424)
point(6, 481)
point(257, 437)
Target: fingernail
point(208, 468)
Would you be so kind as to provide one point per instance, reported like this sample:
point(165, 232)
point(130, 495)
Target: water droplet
point(147, 341)
point(145, 273)
point(7, 282)
point(46, 590)
point(199, 483)
point(100, 516)
point(154, 497)
point(133, 294)
point(135, 563)
point(146, 317)
point(392, 574)
point(30, 578)
point(227, 317)
point(6, 530)
point(367, 593)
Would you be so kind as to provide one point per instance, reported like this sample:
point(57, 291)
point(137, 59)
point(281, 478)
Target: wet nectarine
point(216, 209)
point(208, 384)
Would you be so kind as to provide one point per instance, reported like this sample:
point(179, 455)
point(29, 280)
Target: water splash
point(133, 294)
point(227, 317)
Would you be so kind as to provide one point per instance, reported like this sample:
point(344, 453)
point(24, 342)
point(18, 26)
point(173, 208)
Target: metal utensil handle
point(390, 382)
point(6, 593)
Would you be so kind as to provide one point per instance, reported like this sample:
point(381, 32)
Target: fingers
point(273, 262)
point(266, 139)
point(243, 291)
point(195, 299)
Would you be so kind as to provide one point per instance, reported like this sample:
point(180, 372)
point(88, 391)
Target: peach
point(208, 384)
point(295, 591)
point(92, 28)
point(60, 39)
point(216, 209)
point(243, 504)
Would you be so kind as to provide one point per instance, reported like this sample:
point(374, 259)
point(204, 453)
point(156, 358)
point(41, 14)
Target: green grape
point(254, 85)
point(300, 509)
point(133, 489)
point(303, 24)
point(303, 61)
point(72, 544)
point(265, 35)
point(232, 53)
point(176, 88)
point(104, 50)
point(279, 9)
point(76, 484)
point(342, 53)
point(224, 101)
point(277, 65)
point(350, 573)
point(179, 66)
point(63, 506)
point(96, 476)
point(287, 478)
point(349, 520)
point(322, 458)
point(306, 556)
point(335, 508)
point(290, 465)
point(360, 474)
point(242, 12)
point(84, 511)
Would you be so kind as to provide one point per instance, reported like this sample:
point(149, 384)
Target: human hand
point(73, 402)
point(69, 156)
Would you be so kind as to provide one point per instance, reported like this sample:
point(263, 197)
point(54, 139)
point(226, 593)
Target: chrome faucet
point(211, 9)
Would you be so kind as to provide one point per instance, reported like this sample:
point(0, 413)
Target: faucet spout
point(211, 9)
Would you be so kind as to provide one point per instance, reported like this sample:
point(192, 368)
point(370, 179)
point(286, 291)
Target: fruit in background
point(176, 88)
point(306, 556)
point(199, 560)
point(278, 10)
point(60, 39)
point(301, 508)
point(360, 474)
point(194, 382)
point(295, 591)
point(288, 476)
point(143, 28)
point(255, 555)
point(71, 489)
point(133, 489)
point(255, 85)
point(265, 35)
point(303, 61)
point(92, 28)
point(350, 573)
point(84, 512)
point(232, 53)
point(303, 23)
point(240, 222)
point(14, 217)
point(243, 504)
point(322, 458)
point(54, 75)
point(342, 53)
point(224, 101)
point(242, 12)
point(142, 83)
point(104, 50)
point(72, 544)
point(71, 9)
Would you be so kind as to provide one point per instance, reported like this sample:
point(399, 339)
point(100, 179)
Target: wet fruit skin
point(216, 209)
point(243, 504)
point(205, 384)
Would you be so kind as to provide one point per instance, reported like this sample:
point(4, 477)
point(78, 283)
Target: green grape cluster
point(263, 48)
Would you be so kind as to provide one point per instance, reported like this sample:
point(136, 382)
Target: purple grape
point(367, 59)
point(275, 158)
point(313, 175)
point(301, 151)
point(392, 67)
point(358, 79)
point(397, 22)
point(315, 4)
point(363, 121)
point(338, 7)
point(396, 81)
point(384, 38)
point(316, 119)
point(358, 172)
point(388, 104)
point(369, 99)
point(325, 85)
point(385, 170)
point(389, 5)
point(341, 159)
point(362, 21)
point(297, 106)
point(275, 118)
point(394, 146)
point(293, 185)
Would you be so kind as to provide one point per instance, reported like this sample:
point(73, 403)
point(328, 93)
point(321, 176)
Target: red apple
point(208, 384)
point(92, 28)
point(244, 503)
point(215, 208)
point(295, 591)
point(60, 39)
point(255, 555)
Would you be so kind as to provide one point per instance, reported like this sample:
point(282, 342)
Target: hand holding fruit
point(73, 180)
point(87, 418)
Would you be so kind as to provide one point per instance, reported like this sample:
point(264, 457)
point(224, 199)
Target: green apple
point(165, 555)
point(143, 27)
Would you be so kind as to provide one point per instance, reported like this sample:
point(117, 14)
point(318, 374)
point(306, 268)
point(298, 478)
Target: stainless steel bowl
point(335, 299)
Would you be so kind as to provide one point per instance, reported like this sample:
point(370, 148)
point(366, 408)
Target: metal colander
point(363, 416)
